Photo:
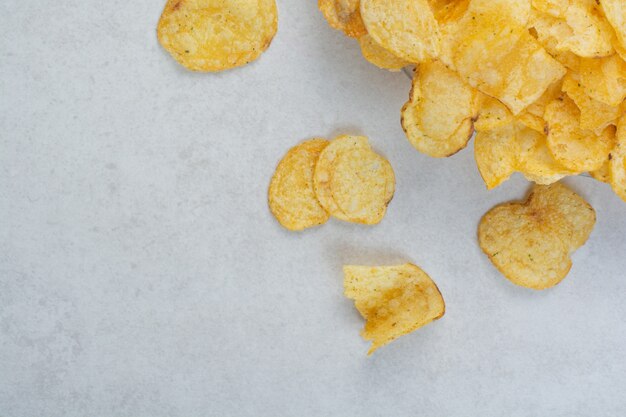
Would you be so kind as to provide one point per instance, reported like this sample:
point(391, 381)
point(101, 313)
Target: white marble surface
point(141, 273)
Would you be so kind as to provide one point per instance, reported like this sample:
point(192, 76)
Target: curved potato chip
point(437, 119)
point(574, 148)
point(592, 36)
point(550, 31)
point(496, 152)
point(604, 79)
point(394, 300)
point(362, 184)
point(493, 114)
point(536, 162)
point(615, 13)
point(407, 28)
point(291, 196)
point(617, 164)
point(344, 15)
point(379, 56)
point(324, 166)
point(530, 243)
point(602, 174)
point(215, 35)
point(594, 115)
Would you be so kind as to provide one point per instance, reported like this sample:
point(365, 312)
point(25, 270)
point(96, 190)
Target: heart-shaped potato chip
point(530, 243)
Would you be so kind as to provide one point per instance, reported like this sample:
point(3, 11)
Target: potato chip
point(602, 174)
point(594, 115)
point(604, 79)
point(437, 119)
point(496, 152)
point(550, 32)
point(573, 147)
point(535, 161)
point(215, 35)
point(362, 184)
point(517, 71)
point(344, 15)
point(492, 114)
point(291, 196)
point(530, 243)
point(617, 163)
point(615, 13)
point(324, 166)
point(532, 116)
point(592, 36)
point(394, 300)
point(407, 28)
point(379, 56)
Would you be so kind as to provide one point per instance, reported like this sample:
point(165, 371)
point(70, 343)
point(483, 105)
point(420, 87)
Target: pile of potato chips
point(344, 178)
point(541, 82)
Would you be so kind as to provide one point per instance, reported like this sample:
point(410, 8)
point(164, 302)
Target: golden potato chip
point(448, 10)
point(615, 13)
point(604, 79)
point(291, 196)
point(362, 184)
point(437, 119)
point(535, 161)
point(379, 56)
point(517, 73)
point(550, 32)
point(344, 15)
point(555, 8)
point(592, 36)
point(617, 163)
point(594, 115)
point(215, 35)
point(394, 300)
point(407, 28)
point(324, 166)
point(530, 243)
point(496, 152)
point(574, 148)
point(492, 114)
point(602, 174)
point(532, 116)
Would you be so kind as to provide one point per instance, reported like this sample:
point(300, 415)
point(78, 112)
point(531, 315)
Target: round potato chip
point(437, 119)
point(344, 15)
point(324, 166)
point(530, 243)
point(215, 35)
point(407, 28)
point(379, 56)
point(394, 300)
point(574, 148)
point(362, 184)
point(291, 196)
point(617, 164)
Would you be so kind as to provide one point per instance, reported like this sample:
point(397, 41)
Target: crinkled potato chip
point(594, 115)
point(324, 166)
point(592, 36)
point(394, 300)
point(530, 243)
point(362, 184)
point(344, 15)
point(215, 35)
point(407, 28)
point(617, 164)
point(573, 147)
point(550, 31)
point(437, 119)
point(604, 79)
point(291, 196)
point(379, 56)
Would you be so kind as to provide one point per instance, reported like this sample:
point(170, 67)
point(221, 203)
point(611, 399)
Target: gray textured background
point(141, 273)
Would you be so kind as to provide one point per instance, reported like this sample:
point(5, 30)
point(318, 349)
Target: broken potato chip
point(437, 119)
point(394, 300)
point(216, 35)
point(291, 196)
point(530, 243)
